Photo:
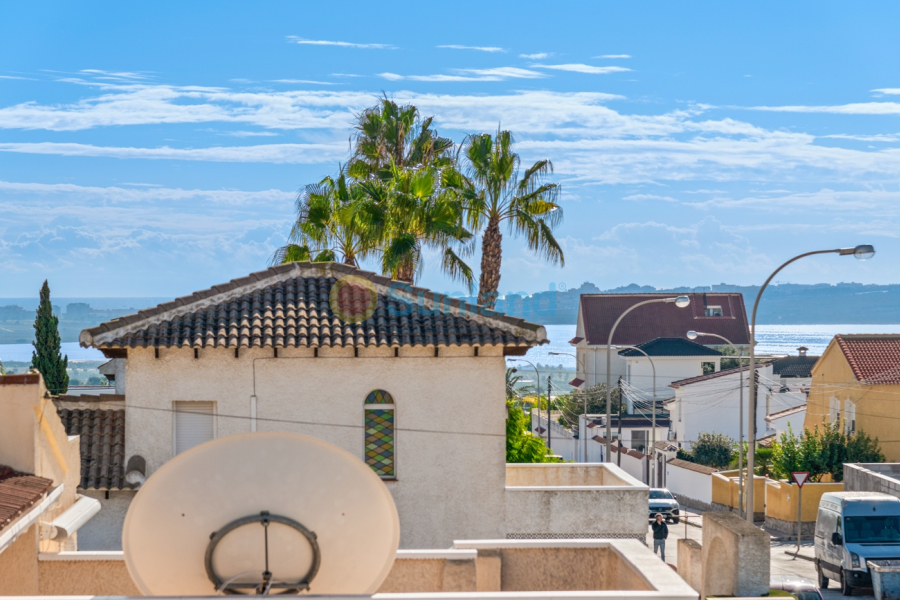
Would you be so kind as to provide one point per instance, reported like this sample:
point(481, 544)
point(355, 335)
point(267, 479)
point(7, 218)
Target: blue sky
point(156, 149)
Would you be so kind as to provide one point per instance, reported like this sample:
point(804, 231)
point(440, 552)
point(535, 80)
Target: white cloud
point(582, 68)
point(643, 197)
point(101, 74)
point(492, 74)
point(614, 56)
point(888, 91)
point(268, 153)
point(886, 137)
point(537, 56)
point(246, 134)
point(852, 203)
point(308, 81)
point(858, 108)
point(298, 40)
point(142, 193)
point(478, 48)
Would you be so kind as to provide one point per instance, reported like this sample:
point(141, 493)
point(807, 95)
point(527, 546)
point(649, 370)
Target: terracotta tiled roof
point(102, 432)
point(667, 346)
point(717, 374)
point(290, 306)
point(600, 311)
point(875, 359)
point(686, 464)
point(18, 492)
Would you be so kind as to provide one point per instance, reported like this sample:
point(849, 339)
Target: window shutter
point(194, 424)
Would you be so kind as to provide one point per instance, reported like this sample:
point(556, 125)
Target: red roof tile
point(875, 359)
point(18, 492)
point(600, 311)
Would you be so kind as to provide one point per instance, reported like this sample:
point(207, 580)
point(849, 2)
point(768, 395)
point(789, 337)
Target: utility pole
point(549, 418)
point(619, 453)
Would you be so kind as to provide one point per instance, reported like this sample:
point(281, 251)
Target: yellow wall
point(877, 406)
point(781, 499)
point(726, 490)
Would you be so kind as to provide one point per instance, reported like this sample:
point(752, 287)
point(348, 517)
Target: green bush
point(713, 450)
point(521, 446)
point(823, 450)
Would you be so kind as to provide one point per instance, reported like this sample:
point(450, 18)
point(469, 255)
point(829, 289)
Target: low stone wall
point(574, 501)
point(726, 493)
point(872, 477)
point(85, 574)
point(781, 505)
point(602, 569)
point(690, 562)
point(736, 557)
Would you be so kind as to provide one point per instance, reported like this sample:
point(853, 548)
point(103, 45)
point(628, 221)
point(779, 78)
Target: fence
point(781, 505)
point(726, 492)
point(692, 483)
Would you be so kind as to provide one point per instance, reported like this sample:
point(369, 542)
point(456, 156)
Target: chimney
point(802, 350)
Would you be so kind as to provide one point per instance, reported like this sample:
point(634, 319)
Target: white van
point(851, 528)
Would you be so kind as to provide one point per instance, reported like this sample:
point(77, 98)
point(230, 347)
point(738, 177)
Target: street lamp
point(680, 302)
point(538, 384)
point(861, 252)
point(653, 426)
point(693, 335)
point(584, 398)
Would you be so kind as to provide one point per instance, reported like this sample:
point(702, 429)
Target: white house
point(659, 362)
point(409, 381)
point(793, 418)
point(710, 404)
point(721, 314)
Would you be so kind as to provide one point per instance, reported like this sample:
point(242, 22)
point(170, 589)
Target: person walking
point(660, 533)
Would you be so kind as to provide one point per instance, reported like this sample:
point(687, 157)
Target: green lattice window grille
point(379, 433)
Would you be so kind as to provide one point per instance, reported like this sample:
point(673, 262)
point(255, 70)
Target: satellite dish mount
point(267, 581)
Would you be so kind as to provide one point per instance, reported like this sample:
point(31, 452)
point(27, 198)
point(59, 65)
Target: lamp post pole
point(693, 335)
point(584, 398)
point(537, 382)
point(680, 302)
point(861, 252)
point(653, 426)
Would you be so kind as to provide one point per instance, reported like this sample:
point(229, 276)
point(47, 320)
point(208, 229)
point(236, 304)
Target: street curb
point(795, 555)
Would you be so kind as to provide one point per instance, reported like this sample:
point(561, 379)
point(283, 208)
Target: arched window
point(379, 433)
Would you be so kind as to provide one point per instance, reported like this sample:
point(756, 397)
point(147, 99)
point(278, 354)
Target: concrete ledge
point(449, 554)
point(78, 556)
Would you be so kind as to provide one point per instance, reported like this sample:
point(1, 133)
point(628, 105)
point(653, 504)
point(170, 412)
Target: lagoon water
point(772, 339)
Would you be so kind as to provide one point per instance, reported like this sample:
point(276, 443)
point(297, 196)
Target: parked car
point(662, 501)
point(800, 587)
point(851, 528)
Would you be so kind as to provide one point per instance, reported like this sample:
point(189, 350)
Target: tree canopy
point(824, 450)
point(46, 357)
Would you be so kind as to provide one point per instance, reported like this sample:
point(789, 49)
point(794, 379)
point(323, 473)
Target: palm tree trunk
point(407, 272)
point(491, 255)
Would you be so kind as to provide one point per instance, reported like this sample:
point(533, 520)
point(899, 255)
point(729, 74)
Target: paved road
point(781, 564)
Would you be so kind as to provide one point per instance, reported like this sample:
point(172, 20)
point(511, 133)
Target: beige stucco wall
point(104, 530)
point(85, 574)
point(449, 485)
point(566, 474)
point(18, 565)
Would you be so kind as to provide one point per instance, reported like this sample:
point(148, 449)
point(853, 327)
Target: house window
point(195, 423)
point(639, 440)
point(849, 417)
point(834, 410)
point(379, 433)
point(714, 311)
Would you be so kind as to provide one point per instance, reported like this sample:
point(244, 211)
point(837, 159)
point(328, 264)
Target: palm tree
point(388, 135)
point(329, 224)
point(412, 209)
point(495, 193)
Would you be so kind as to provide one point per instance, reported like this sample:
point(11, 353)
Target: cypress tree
point(46, 357)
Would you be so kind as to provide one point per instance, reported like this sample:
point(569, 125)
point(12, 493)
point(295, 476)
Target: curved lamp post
point(538, 384)
point(653, 431)
point(693, 335)
point(584, 397)
point(680, 302)
point(862, 252)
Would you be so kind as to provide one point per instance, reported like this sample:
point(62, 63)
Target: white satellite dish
point(261, 513)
